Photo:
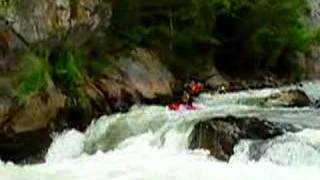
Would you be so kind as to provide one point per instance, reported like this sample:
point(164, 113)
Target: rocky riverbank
point(134, 75)
point(138, 77)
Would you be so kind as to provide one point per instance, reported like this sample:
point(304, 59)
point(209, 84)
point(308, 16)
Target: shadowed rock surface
point(130, 79)
point(220, 135)
point(29, 147)
point(288, 98)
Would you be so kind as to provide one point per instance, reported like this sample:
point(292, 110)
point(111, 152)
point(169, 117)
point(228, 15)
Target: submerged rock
point(288, 98)
point(316, 103)
point(220, 135)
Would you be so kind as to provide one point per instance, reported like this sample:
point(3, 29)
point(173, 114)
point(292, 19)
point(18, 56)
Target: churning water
point(150, 143)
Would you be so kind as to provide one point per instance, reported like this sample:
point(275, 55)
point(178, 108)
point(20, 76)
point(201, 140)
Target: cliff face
point(35, 21)
point(130, 78)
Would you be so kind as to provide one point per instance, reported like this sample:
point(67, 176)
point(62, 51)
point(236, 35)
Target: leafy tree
point(264, 33)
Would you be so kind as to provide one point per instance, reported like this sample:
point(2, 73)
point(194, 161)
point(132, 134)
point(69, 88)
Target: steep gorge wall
point(130, 78)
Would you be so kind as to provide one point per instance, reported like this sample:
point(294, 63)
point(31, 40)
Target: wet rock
point(288, 98)
point(316, 103)
point(27, 147)
point(216, 80)
point(35, 112)
point(26, 126)
point(118, 96)
point(220, 135)
point(128, 80)
point(265, 81)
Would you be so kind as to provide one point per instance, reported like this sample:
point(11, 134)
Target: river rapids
point(151, 143)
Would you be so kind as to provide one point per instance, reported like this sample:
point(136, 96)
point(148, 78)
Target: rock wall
point(38, 20)
point(132, 77)
point(129, 80)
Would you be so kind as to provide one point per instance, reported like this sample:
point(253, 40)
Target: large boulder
point(26, 125)
point(34, 113)
point(288, 98)
point(130, 79)
point(220, 135)
point(216, 80)
point(144, 72)
point(261, 81)
point(316, 103)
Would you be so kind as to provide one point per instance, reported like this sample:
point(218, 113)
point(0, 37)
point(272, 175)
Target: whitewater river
point(150, 143)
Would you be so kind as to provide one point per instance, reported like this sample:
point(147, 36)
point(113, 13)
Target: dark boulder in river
point(220, 135)
point(288, 98)
point(316, 103)
point(27, 147)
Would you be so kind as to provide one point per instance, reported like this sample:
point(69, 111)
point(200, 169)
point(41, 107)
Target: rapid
point(151, 143)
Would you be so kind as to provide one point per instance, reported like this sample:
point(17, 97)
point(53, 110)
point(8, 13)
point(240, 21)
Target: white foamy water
point(151, 143)
point(67, 145)
point(293, 149)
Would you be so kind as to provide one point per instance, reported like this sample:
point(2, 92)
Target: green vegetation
point(264, 34)
point(4, 4)
point(239, 36)
point(36, 76)
point(7, 7)
point(179, 30)
point(66, 69)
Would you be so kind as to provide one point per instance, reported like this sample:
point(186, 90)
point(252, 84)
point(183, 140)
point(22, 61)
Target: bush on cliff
point(35, 76)
point(65, 69)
